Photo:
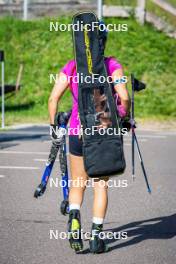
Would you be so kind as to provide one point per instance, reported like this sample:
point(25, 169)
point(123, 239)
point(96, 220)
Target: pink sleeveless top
point(70, 71)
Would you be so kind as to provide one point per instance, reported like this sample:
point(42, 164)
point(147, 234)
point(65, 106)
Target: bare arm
point(56, 94)
point(121, 90)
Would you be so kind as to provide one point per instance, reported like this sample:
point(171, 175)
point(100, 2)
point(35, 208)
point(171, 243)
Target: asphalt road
point(27, 223)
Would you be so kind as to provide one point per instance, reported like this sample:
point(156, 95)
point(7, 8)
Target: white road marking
point(21, 126)
point(40, 160)
point(2, 176)
point(43, 160)
point(149, 136)
point(140, 140)
point(165, 132)
point(19, 168)
point(168, 133)
point(23, 152)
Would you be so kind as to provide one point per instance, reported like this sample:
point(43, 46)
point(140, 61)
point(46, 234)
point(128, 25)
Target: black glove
point(126, 123)
point(61, 118)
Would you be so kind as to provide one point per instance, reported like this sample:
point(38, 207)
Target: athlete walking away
point(76, 193)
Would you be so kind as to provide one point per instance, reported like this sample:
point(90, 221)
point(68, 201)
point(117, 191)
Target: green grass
point(142, 50)
point(120, 2)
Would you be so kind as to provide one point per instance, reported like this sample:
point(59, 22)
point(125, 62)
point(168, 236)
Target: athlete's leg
point(100, 197)
point(78, 177)
point(76, 193)
point(97, 245)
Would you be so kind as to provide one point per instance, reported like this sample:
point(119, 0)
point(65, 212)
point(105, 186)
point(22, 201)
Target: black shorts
point(75, 145)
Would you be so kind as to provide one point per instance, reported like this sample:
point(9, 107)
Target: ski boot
point(96, 243)
point(74, 231)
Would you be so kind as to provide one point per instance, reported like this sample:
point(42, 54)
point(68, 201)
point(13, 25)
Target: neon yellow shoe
point(74, 231)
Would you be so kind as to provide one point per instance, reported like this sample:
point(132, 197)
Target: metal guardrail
point(47, 8)
point(166, 6)
point(40, 8)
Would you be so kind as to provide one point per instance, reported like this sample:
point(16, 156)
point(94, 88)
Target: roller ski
point(40, 190)
point(49, 165)
point(61, 120)
point(64, 207)
point(74, 231)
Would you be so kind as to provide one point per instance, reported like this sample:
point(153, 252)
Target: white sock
point(74, 207)
point(97, 220)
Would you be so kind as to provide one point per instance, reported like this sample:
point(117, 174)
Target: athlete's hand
point(57, 134)
point(126, 123)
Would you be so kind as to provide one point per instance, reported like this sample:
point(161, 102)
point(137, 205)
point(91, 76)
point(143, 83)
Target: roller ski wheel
point(64, 207)
point(40, 190)
point(96, 243)
point(74, 231)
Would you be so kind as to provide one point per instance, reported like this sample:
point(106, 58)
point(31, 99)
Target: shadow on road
point(155, 228)
point(7, 145)
point(24, 137)
point(27, 134)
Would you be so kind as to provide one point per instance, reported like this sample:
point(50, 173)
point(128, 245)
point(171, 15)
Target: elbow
point(125, 101)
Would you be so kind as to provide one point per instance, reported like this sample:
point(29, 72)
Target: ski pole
point(136, 86)
point(132, 128)
point(142, 164)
